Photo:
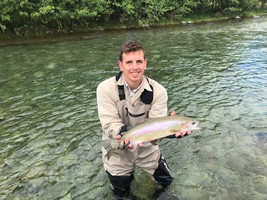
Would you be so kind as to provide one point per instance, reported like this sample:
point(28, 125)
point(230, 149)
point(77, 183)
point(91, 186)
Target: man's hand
point(126, 144)
point(182, 133)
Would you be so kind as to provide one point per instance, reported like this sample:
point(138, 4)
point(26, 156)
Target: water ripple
point(215, 72)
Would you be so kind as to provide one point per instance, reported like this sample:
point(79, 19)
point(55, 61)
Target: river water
point(215, 72)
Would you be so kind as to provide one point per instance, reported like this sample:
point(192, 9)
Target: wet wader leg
point(120, 184)
point(162, 174)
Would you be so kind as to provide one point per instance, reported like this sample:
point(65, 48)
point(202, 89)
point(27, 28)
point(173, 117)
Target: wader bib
point(137, 110)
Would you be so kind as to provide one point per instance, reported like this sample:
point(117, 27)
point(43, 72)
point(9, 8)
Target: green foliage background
point(22, 16)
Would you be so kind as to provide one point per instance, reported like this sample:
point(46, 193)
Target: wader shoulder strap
point(147, 96)
point(121, 92)
point(118, 76)
point(120, 87)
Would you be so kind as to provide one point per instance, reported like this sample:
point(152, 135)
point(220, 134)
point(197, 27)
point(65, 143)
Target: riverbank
point(35, 37)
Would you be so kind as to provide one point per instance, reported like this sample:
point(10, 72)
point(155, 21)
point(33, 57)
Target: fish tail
point(108, 144)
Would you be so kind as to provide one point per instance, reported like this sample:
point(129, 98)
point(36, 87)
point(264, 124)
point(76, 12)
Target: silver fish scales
point(152, 130)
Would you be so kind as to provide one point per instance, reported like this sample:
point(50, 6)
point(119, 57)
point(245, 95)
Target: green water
point(215, 72)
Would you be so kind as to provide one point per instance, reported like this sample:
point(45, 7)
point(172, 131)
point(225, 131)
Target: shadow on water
point(214, 72)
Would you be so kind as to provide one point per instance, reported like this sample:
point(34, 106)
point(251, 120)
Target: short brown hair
point(130, 46)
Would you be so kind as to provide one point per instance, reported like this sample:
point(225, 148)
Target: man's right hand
point(126, 144)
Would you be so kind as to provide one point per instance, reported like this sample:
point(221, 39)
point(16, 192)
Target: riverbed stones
point(59, 190)
point(50, 66)
point(36, 172)
point(38, 74)
point(207, 152)
point(2, 115)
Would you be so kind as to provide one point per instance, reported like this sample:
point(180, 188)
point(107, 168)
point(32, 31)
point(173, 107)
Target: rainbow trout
point(151, 130)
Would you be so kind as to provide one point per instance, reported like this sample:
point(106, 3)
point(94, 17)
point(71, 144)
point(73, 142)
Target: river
point(215, 72)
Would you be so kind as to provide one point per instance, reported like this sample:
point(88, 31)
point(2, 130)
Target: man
point(125, 101)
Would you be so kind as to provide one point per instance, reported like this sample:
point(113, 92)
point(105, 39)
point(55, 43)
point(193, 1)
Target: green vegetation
point(35, 17)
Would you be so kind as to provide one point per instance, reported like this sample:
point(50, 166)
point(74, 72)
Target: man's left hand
point(182, 133)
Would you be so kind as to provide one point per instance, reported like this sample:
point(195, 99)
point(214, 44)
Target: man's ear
point(120, 66)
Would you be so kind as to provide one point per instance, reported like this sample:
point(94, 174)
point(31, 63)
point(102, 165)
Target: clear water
point(215, 72)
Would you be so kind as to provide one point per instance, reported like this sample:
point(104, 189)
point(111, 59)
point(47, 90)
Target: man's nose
point(134, 65)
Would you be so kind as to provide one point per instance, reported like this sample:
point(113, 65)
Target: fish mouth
point(194, 126)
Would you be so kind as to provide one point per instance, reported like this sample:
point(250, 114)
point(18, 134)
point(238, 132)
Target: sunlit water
point(215, 72)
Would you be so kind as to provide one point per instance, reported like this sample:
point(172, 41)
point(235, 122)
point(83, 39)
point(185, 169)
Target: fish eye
point(193, 123)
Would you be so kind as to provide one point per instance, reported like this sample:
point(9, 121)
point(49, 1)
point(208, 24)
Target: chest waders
point(131, 116)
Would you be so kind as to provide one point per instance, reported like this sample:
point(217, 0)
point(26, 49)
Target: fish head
point(190, 125)
point(193, 125)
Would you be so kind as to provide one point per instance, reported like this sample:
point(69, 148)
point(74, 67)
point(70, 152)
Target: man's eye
point(129, 62)
point(139, 61)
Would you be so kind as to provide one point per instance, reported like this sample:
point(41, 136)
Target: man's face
point(133, 66)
